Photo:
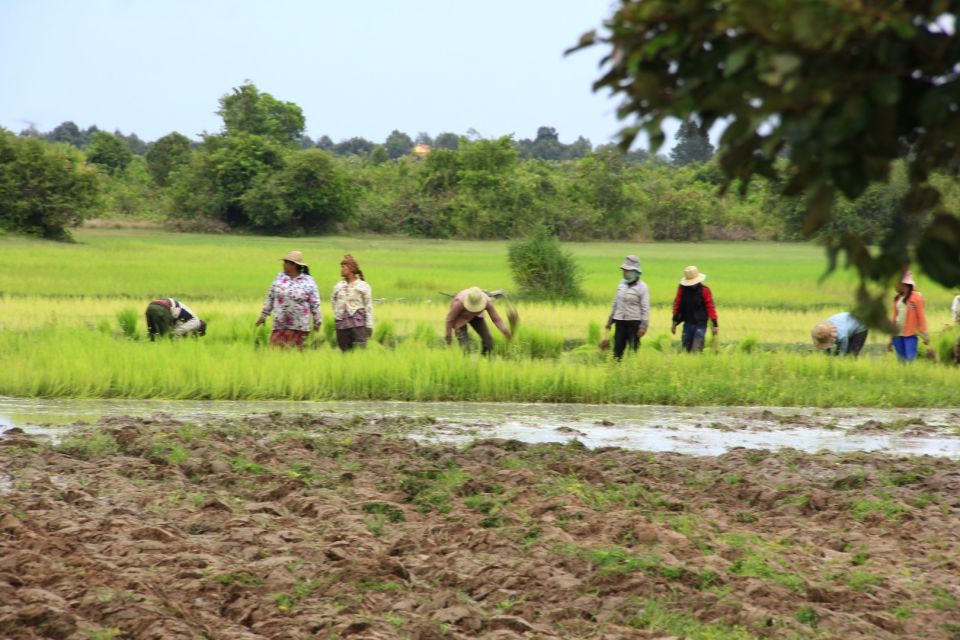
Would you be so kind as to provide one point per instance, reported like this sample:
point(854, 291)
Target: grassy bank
point(58, 363)
point(61, 335)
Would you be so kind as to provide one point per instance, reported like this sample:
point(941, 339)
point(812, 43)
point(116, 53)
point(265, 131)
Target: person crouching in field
point(843, 330)
point(909, 319)
point(467, 307)
point(295, 298)
point(352, 301)
point(692, 307)
point(169, 316)
point(630, 313)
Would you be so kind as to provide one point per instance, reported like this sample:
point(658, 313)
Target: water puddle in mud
point(690, 430)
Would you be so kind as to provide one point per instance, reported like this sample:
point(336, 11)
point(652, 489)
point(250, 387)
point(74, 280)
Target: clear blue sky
point(355, 68)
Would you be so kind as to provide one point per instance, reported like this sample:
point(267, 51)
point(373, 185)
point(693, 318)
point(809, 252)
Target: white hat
point(692, 276)
point(474, 301)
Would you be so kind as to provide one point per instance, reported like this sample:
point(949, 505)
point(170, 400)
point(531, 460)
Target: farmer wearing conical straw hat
point(467, 307)
point(692, 307)
point(909, 319)
point(842, 331)
point(294, 298)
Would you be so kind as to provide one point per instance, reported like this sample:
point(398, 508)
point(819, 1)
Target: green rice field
point(64, 307)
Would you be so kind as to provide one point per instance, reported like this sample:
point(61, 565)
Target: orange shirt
point(916, 321)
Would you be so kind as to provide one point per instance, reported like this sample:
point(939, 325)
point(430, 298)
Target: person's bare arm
point(497, 320)
point(456, 308)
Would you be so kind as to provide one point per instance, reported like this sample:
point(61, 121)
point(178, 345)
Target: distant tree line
point(261, 173)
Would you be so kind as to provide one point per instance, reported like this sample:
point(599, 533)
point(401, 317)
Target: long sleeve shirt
point(695, 305)
point(916, 320)
point(294, 300)
point(458, 315)
point(846, 326)
point(631, 302)
point(350, 297)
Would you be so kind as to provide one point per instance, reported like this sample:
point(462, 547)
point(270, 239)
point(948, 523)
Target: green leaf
point(819, 210)
point(938, 252)
point(735, 60)
point(886, 90)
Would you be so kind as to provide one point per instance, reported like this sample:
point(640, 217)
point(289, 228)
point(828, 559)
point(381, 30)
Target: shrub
point(542, 269)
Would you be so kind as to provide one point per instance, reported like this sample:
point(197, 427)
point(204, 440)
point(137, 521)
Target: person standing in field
point(352, 301)
point(467, 307)
point(295, 298)
point(169, 316)
point(692, 307)
point(909, 319)
point(630, 313)
point(842, 330)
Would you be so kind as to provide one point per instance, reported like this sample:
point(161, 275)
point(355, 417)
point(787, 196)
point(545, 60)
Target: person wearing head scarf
point(169, 316)
point(467, 307)
point(630, 313)
point(692, 307)
point(843, 331)
point(352, 301)
point(909, 319)
point(294, 298)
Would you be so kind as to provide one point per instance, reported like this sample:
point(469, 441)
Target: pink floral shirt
point(294, 300)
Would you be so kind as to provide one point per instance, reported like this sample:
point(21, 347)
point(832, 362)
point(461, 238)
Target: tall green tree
point(166, 154)
point(248, 110)
point(44, 188)
point(693, 145)
point(109, 152)
point(840, 88)
point(397, 144)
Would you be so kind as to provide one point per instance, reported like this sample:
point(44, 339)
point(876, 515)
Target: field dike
point(297, 526)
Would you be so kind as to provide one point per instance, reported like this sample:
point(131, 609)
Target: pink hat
point(908, 279)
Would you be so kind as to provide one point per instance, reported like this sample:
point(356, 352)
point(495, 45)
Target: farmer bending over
point(467, 307)
point(842, 330)
point(169, 316)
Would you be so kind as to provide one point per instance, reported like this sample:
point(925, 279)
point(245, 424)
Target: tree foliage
point(542, 268)
point(44, 188)
point(693, 145)
point(248, 110)
point(109, 152)
point(166, 154)
point(840, 88)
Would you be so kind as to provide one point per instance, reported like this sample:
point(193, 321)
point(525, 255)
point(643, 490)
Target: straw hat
point(296, 257)
point(692, 276)
point(631, 263)
point(824, 335)
point(908, 279)
point(474, 301)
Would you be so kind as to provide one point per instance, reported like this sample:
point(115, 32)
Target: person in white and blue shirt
point(842, 331)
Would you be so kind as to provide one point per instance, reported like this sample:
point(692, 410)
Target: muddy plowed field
point(299, 526)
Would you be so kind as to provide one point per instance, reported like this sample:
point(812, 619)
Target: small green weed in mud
point(807, 616)
point(860, 558)
point(862, 580)
point(654, 615)
point(243, 579)
point(104, 634)
point(488, 505)
point(943, 600)
point(381, 586)
point(389, 512)
point(89, 446)
point(432, 489)
point(862, 508)
point(242, 465)
point(756, 566)
point(904, 611)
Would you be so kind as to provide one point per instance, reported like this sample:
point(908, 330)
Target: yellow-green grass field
point(60, 334)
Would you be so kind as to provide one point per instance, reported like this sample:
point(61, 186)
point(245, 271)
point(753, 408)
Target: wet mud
point(300, 526)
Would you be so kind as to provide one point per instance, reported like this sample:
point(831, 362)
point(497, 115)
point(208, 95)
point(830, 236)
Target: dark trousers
point(159, 320)
point(855, 344)
point(693, 338)
point(480, 326)
point(349, 338)
point(625, 334)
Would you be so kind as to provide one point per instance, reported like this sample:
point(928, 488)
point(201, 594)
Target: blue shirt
point(846, 326)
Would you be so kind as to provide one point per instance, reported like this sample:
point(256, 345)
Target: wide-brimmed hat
point(692, 276)
point(474, 301)
point(908, 279)
point(824, 335)
point(296, 257)
point(631, 263)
